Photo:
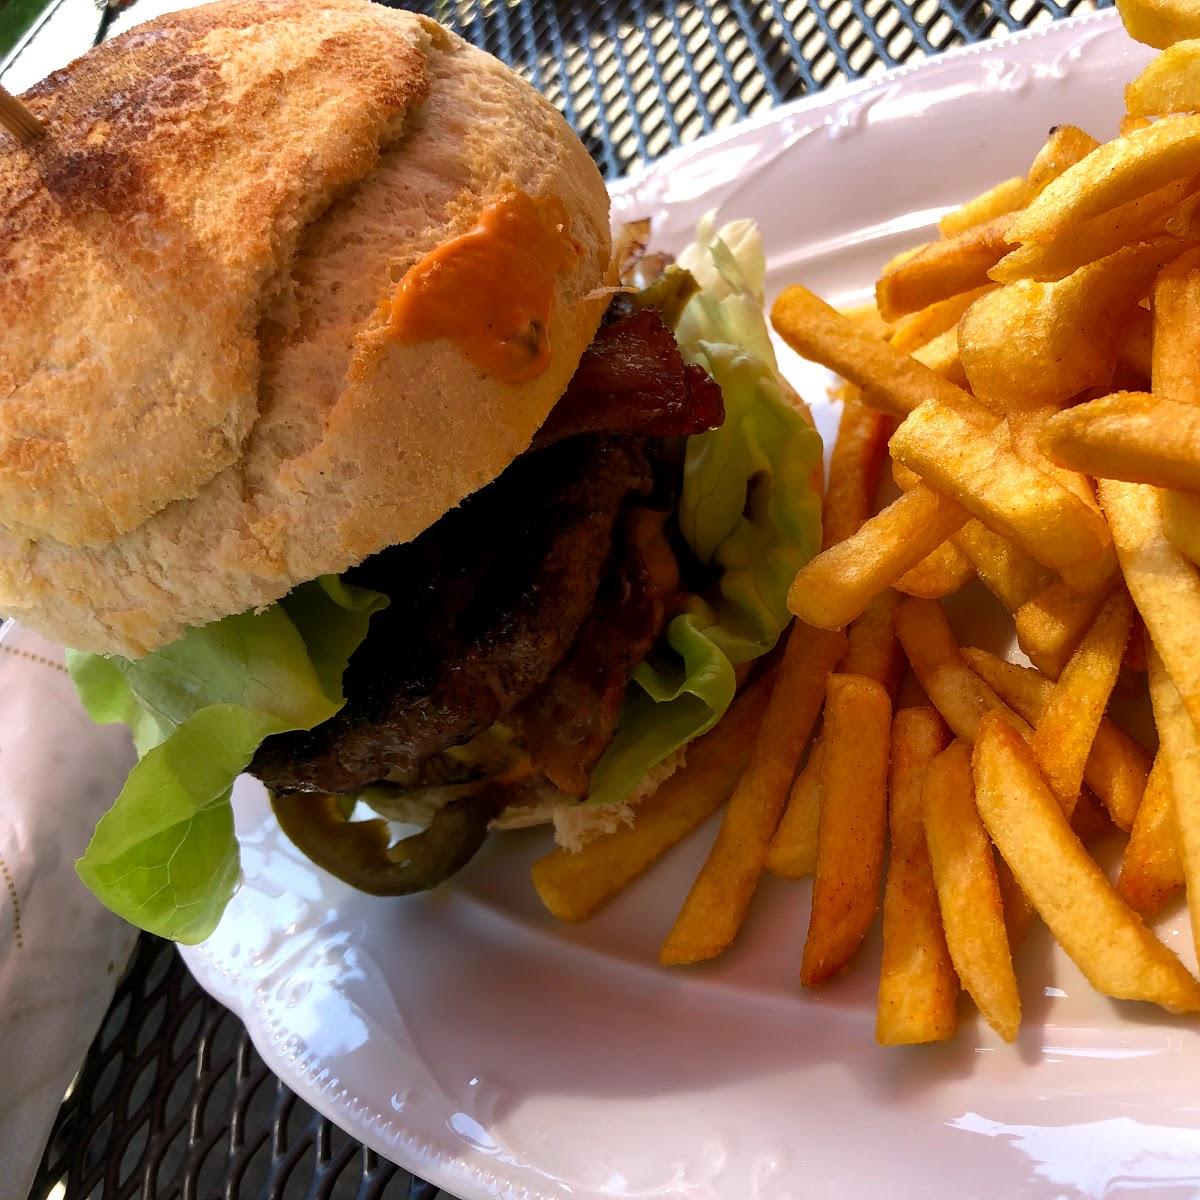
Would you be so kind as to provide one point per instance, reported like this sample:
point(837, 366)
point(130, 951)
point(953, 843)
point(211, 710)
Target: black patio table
point(173, 1101)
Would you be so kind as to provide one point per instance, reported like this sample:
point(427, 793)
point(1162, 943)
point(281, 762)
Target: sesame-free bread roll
point(201, 402)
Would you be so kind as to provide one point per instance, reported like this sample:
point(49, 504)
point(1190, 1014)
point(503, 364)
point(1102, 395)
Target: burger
point(342, 448)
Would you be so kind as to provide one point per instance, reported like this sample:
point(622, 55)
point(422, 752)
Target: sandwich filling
point(557, 639)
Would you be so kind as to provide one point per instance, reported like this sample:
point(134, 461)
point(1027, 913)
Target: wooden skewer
point(17, 119)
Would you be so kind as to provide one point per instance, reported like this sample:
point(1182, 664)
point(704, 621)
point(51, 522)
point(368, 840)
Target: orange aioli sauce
point(490, 290)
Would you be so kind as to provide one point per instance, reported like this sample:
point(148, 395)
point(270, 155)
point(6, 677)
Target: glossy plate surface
point(471, 1038)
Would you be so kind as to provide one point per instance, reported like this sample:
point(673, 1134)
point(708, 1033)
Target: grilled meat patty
point(484, 605)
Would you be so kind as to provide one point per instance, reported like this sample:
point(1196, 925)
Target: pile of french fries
point(1033, 376)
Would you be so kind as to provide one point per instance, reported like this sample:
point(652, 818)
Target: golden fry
point(1143, 219)
point(1065, 733)
point(574, 885)
point(1152, 869)
point(941, 355)
point(1008, 573)
point(955, 690)
point(1181, 522)
point(1131, 436)
point(1005, 197)
point(1170, 84)
point(838, 585)
point(918, 988)
point(942, 572)
point(1175, 353)
point(1160, 22)
point(1029, 344)
point(873, 649)
point(854, 468)
point(867, 315)
point(920, 328)
point(1026, 429)
point(968, 890)
point(965, 455)
point(1116, 173)
point(1053, 623)
point(792, 853)
point(1180, 746)
point(891, 380)
point(1163, 583)
point(1066, 145)
point(1102, 934)
point(850, 834)
point(1117, 767)
point(716, 905)
point(942, 269)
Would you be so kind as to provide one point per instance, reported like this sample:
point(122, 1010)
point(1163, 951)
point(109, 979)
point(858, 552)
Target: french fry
point(1008, 573)
point(716, 905)
point(792, 853)
point(1179, 745)
point(1052, 623)
point(867, 315)
point(1099, 931)
point(1065, 733)
point(1142, 219)
point(873, 650)
point(1181, 522)
point(964, 455)
point(1170, 84)
point(1005, 197)
point(1160, 22)
point(854, 468)
point(891, 380)
point(1119, 171)
point(954, 689)
point(1028, 344)
point(1117, 767)
point(574, 885)
point(1151, 869)
point(918, 988)
point(1064, 147)
point(942, 269)
point(1026, 429)
point(942, 572)
point(968, 891)
point(941, 355)
point(1175, 355)
point(1163, 583)
point(850, 835)
point(1131, 436)
point(920, 328)
point(839, 583)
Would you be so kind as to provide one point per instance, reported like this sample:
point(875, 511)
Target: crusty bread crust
point(201, 405)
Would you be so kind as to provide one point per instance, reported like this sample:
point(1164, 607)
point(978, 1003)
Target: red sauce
point(490, 291)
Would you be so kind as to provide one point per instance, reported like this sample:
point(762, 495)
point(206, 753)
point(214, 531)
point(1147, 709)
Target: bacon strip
point(632, 379)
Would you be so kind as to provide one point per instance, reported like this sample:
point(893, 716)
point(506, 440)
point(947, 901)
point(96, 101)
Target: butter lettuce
point(747, 509)
point(164, 856)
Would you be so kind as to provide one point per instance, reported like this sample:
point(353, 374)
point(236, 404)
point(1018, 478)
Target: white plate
point(468, 1036)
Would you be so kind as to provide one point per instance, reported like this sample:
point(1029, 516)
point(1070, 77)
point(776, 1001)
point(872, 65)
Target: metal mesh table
point(173, 1101)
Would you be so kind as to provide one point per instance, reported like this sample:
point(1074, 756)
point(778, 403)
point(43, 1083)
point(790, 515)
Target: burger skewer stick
point(17, 119)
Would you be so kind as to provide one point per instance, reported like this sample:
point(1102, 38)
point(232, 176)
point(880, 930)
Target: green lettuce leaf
point(164, 856)
point(747, 508)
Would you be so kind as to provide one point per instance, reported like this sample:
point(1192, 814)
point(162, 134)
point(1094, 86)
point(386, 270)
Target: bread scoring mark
point(10, 883)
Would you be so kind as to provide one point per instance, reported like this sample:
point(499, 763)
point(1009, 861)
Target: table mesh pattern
point(615, 70)
point(173, 1102)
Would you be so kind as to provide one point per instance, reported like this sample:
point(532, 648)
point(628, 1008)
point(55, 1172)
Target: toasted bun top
point(201, 403)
